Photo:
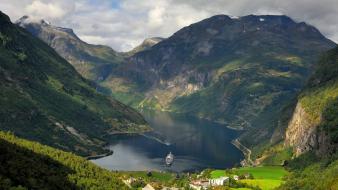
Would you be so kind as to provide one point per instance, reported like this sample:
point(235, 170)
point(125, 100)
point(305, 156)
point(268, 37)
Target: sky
point(123, 24)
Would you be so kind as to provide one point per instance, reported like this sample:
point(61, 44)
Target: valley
point(242, 103)
point(196, 144)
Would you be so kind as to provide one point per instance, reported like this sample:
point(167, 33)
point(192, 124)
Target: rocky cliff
point(303, 134)
point(313, 125)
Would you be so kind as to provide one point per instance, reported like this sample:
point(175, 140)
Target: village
point(204, 180)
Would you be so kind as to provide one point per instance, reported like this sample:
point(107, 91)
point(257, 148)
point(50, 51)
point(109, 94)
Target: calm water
point(196, 144)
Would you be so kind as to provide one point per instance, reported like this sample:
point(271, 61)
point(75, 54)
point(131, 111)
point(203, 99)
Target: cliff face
point(304, 134)
point(301, 133)
point(313, 125)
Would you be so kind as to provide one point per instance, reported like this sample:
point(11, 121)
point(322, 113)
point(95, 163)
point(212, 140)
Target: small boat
point(169, 159)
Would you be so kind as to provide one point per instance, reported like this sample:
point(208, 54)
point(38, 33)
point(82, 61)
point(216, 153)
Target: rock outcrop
point(301, 132)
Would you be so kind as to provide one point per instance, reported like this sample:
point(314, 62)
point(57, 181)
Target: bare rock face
point(301, 132)
point(304, 135)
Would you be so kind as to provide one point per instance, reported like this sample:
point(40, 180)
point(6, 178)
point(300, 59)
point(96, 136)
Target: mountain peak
point(25, 20)
point(4, 18)
point(146, 44)
point(35, 25)
point(152, 41)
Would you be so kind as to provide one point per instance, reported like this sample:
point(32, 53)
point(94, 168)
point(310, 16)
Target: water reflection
point(196, 144)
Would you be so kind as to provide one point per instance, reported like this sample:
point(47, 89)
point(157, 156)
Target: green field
point(264, 184)
point(264, 172)
point(265, 177)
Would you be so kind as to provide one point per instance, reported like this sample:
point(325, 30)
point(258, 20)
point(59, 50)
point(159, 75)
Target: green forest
point(30, 165)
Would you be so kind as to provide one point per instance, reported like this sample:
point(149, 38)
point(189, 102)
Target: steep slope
point(235, 71)
point(308, 124)
point(53, 169)
point(314, 123)
point(311, 136)
point(43, 98)
point(238, 71)
point(145, 45)
point(91, 61)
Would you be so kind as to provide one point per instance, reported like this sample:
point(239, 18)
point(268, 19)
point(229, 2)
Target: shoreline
point(246, 152)
point(94, 157)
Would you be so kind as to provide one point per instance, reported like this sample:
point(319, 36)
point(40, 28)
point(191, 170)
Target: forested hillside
point(310, 145)
point(239, 71)
point(43, 98)
point(30, 165)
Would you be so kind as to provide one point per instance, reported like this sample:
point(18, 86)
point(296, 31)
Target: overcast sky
point(123, 24)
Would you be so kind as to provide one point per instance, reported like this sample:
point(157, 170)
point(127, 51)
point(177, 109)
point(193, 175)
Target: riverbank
point(246, 151)
point(100, 155)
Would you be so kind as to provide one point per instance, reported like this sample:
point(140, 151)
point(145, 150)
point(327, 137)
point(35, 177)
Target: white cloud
point(124, 24)
point(47, 10)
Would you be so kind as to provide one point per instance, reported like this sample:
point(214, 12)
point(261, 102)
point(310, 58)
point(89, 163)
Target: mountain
point(91, 61)
point(313, 125)
point(145, 45)
point(238, 71)
point(312, 132)
point(43, 98)
point(52, 169)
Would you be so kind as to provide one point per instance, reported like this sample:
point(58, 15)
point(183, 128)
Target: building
point(218, 181)
point(148, 187)
point(199, 184)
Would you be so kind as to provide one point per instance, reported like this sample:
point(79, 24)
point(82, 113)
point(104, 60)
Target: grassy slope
point(266, 177)
point(320, 100)
point(52, 168)
point(43, 98)
point(308, 172)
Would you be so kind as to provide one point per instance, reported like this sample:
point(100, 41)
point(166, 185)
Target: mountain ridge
point(43, 98)
point(235, 70)
point(91, 61)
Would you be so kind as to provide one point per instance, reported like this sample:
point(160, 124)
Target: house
point(199, 184)
point(218, 181)
point(236, 177)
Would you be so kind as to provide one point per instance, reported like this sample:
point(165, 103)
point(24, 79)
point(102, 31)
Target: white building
point(218, 181)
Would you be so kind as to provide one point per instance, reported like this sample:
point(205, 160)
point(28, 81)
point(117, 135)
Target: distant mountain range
point(238, 71)
point(91, 61)
point(43, 98)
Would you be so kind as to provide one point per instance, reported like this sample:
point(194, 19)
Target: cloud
point(124, 24)
point(47, 10)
